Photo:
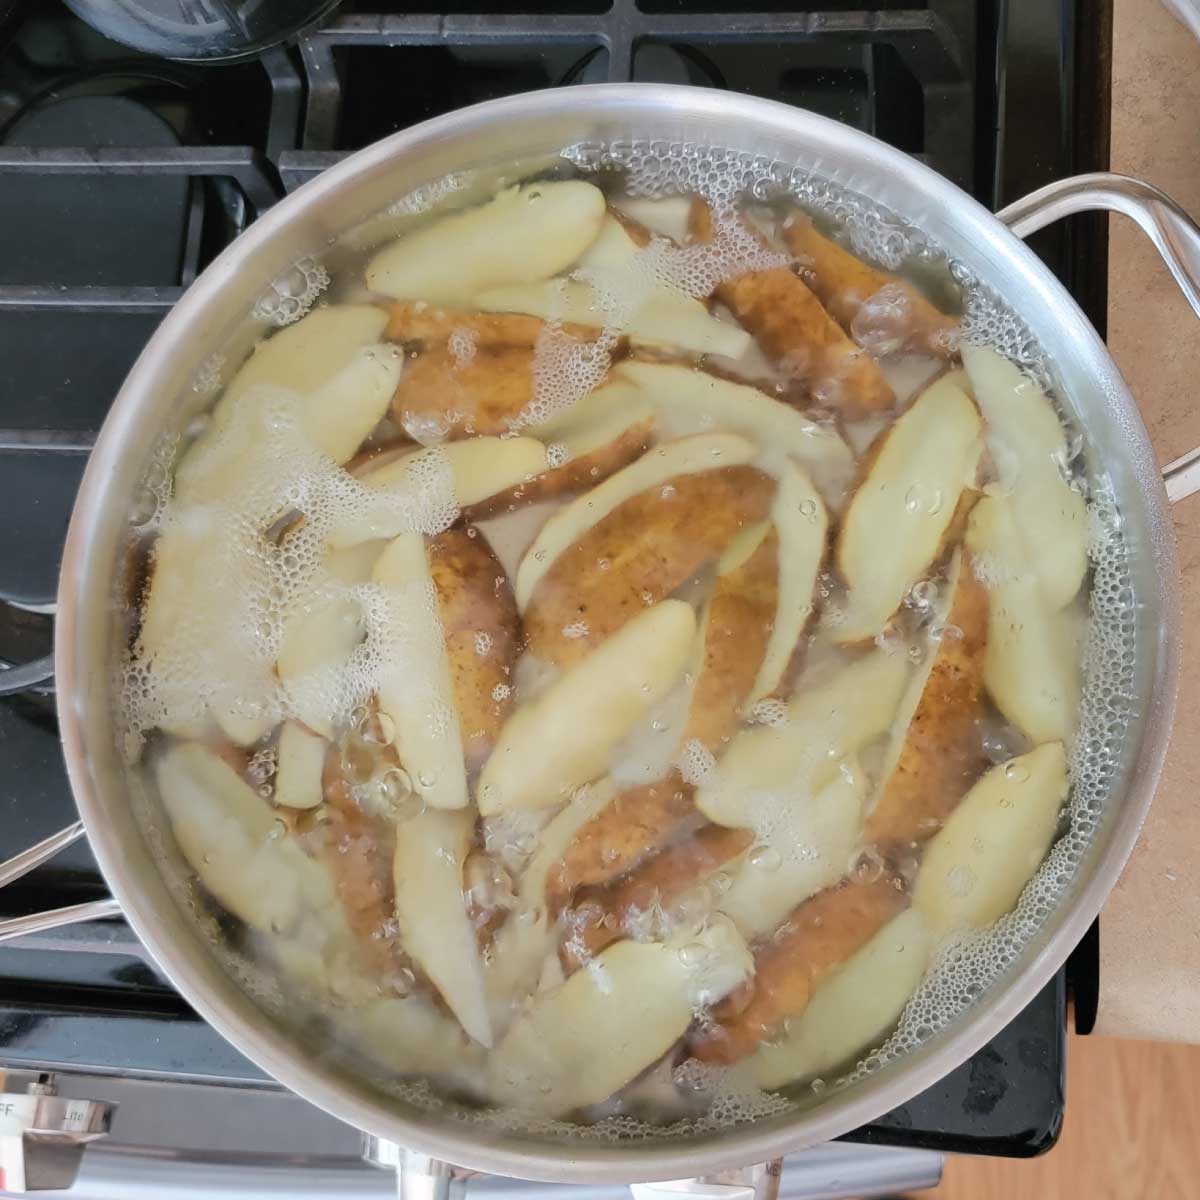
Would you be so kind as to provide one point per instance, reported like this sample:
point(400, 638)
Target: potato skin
point(819, 935)
point(482, 394)
point(790, 324)
point(431, 324)
point(659, 880)
point(638, 554)
point(478, 613)
point(741, 614)
point(613, 841)
point(843, 282)
point(941, 755)
point(572, 477)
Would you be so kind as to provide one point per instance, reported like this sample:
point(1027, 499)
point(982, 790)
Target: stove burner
point(200, 30)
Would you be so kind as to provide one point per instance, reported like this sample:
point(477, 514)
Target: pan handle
point(1173, 232)
point(23, 863)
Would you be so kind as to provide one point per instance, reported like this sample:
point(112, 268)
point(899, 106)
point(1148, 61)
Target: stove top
point(123, 175)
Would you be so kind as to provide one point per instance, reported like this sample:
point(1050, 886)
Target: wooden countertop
point(1150, 927)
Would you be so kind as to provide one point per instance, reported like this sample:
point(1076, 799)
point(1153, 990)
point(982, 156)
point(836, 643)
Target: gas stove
point(122, 175)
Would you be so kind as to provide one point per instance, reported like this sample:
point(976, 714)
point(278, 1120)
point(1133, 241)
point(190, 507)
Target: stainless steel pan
point(157, 397)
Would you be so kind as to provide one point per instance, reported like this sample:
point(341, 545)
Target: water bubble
point(692, 954)
point(279, 828)
point(765, 858)
point(808, 509)
point(378, 729)
point(427, 778)
point(866, 866)
point(960, 881)
point(915, 499)
point(923, 594)
point(1016, 772)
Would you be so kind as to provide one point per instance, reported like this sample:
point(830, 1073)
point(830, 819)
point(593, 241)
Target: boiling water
point(268, 569)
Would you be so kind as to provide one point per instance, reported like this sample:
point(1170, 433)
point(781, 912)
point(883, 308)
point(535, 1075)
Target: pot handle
point(23, 863)
point(1173, 232)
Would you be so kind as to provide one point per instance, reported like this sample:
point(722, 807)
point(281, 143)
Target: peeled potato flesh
point(819, 935)
point(853, 1010)
point(434, 927)
point(687, 395)
point(334, 360)
point(809, 852)
point(480, 625)
point(974, 870)
point(844, 282)
point(563, 738)
point(479, 469)
point(416, 689)
point(652, 314)
point(1028, 446)
point(900, 513)
point(582, 1041)
point(770, 767)
point(801, 527)
point(524, 234)
point(410, 1036)
point(737, 628)
point(231, 839)
point(1031, 667)
point(935, 750)
point(300, 763)
point(638, 554)
point(686, 456)
point(522, 943)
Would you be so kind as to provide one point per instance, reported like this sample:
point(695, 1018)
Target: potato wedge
point(1029, 445)
point(318, 640)
point(413, 484)
point(853, 1009)
point(334, 360)
point(432, 325)
point(430, 852)
point(694, 400)
point(796, 332)
point(300, 764)
point(415, 688)
point(563, 738)
point(738, 626)
point(683, 457)
point(801, 527)
point(523, 234)
point(232, 840)
point(593, 439)
point(1031, 667)
point(819, 935)
point(640, 904)
point(481, 629)
point(638, 554)
point(637, 820)
point(810, 851)
point(934, 752)
point(976, 868)
point(767, 771)
point(409, 1036)
point(442, 394)
point(614, 285)
point(584, 1040)
point(522, 943)
point(844, 282)
point(898, 518)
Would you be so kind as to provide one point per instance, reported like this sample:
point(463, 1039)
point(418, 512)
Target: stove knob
point(43, 1135)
